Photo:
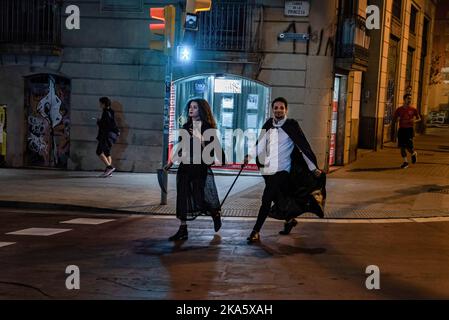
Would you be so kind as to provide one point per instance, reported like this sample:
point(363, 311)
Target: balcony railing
point(30, 25)
point(354, 41)
point(229, 26)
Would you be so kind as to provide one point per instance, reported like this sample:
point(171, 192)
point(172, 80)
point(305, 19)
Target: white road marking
point(4, 244)
point(87, 221)
point(38, 232)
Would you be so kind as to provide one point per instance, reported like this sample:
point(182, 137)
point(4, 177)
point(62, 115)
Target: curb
point(65, 207)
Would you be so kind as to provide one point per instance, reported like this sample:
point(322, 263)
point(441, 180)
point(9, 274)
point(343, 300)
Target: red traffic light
point(157, 14)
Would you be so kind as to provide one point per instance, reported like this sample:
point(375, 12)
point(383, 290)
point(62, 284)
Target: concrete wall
point(305, 80)
point(109, 56)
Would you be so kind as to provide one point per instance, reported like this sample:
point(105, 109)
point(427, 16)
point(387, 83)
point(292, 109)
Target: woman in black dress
point(195, 184)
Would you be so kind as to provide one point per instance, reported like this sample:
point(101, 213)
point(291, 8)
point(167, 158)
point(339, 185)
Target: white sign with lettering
point(297, 8)
point(228, 86)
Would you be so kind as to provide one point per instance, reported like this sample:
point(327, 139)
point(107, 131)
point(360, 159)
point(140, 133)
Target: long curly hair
point(205, 112)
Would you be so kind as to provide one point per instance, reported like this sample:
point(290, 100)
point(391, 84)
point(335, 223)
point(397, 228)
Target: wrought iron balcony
point(30, 26)
point(353, 44)
point(229, 26)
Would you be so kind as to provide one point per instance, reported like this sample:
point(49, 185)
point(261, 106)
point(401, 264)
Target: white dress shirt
point(274, 151)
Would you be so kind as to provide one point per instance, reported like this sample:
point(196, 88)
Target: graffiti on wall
point(311, 36)
point(47, 107)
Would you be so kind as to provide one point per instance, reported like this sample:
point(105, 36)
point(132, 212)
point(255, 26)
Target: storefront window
point(236, 102)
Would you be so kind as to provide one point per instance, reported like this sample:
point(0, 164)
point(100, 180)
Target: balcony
point(30, 27)
point(353, 44)
point(229, 26)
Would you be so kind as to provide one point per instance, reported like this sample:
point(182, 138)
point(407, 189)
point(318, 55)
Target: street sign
point(297, 8)
point(290, 36)
point(191, 22)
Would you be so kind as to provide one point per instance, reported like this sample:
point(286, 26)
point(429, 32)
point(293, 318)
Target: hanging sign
point(297, 8)
point(290, 36)
point(228, 86)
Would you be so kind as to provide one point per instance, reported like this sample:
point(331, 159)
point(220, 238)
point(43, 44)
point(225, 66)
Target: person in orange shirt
point(407, 115)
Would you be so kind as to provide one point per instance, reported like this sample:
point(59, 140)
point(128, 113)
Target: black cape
point(302, 182)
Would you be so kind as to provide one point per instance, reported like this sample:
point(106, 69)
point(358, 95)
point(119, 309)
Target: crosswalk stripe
point(88, 221)
point(38, 232)
point(4, 244)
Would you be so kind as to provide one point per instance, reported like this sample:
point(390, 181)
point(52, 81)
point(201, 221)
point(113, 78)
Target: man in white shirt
point(275, 148)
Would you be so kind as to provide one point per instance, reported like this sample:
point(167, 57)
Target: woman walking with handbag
point(108, 134)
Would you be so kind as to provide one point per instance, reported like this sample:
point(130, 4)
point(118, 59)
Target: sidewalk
point(372, 187)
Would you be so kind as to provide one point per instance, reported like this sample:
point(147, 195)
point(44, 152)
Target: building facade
point(399, 63)
point(353, 49)
point(51, 78)
point(439, 74)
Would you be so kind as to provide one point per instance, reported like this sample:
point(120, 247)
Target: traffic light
point(164, 29)
point(184, 54)
point(194, 6)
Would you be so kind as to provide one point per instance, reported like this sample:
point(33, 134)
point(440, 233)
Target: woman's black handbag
point(113, 136)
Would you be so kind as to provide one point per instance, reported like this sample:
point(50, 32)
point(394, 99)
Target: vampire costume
point(295, 190)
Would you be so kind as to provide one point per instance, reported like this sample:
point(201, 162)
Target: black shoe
point(414, 157)
point(216, 216)
point(109, 171)
point(404, 165)
point(182, 234)
point(253, 237)
point(288, 226)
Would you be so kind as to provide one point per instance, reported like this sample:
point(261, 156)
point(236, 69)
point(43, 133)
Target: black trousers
point(405, 140)
point(274, 184)
point(104, 146)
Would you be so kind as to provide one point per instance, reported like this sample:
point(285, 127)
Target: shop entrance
point(236, 102)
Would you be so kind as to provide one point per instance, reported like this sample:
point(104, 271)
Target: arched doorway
point(47, 116)
point(237, 103)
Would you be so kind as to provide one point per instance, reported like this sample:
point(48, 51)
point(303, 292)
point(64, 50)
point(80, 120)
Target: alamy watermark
point(373, 280)
point(73, 21)
point(372, 17)
point(194, 147)
point(73, 280)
